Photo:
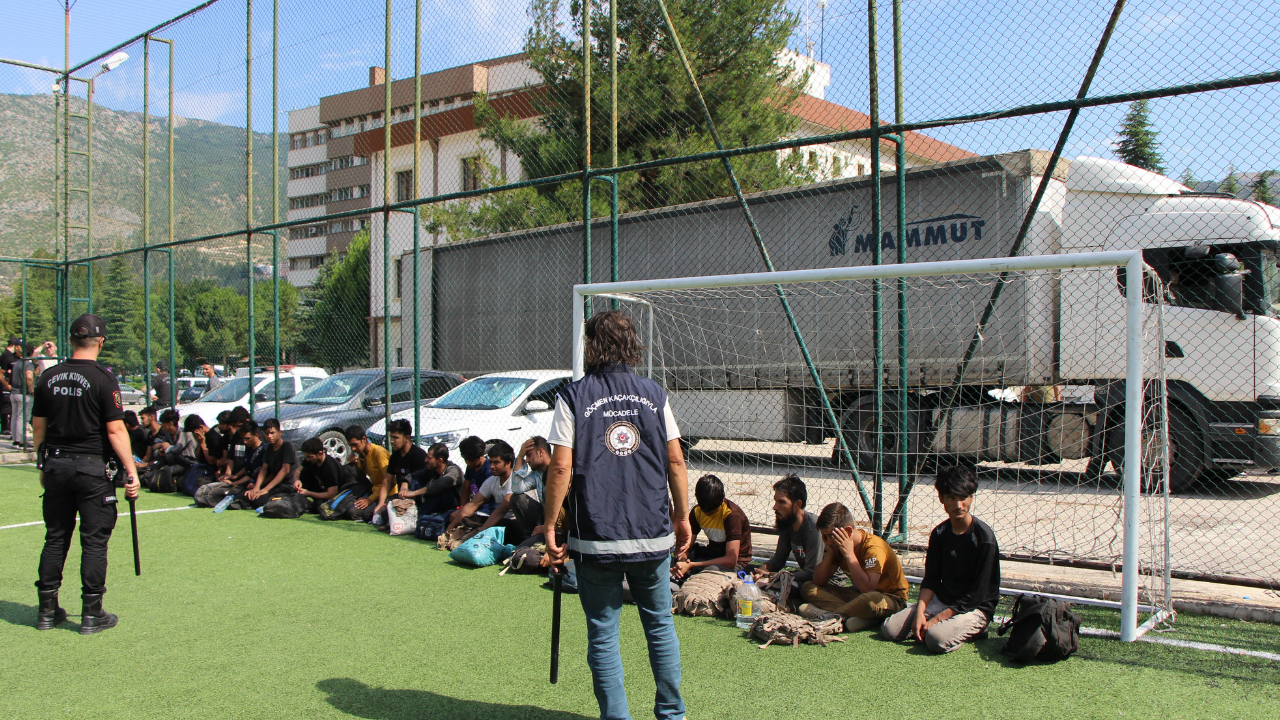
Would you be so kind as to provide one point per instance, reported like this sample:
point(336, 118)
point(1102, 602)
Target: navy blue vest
point(618, 505)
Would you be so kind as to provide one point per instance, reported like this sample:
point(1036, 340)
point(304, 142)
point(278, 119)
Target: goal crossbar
point(1131, 260)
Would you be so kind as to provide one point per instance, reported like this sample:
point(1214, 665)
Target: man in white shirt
point(495, 489)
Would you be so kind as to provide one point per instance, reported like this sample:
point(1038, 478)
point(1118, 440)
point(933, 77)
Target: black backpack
point(159, 479)
point(286, 506)
point(339, 506)
point(1042, 629)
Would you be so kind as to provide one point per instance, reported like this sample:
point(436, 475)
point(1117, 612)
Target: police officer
point(78, 423)
point(617, 461)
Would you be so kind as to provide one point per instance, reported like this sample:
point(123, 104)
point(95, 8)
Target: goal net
point(863, 382)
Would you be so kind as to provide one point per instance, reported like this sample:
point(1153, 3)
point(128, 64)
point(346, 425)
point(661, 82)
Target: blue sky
point(962, 57)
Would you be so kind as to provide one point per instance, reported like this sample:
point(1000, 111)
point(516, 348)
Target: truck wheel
point(858, 425)
point(1186, 451)
point(335, 445)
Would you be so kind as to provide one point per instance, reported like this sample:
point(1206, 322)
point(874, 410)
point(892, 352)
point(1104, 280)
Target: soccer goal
point(1045, 374)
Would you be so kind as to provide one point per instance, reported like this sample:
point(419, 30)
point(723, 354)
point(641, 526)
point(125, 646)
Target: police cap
point(88, 326)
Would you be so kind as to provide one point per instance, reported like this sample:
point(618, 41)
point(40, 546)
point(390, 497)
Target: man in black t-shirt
point(279, 460)
point(961, 584)
point(7, 358)
point(79, 433)
point(320, 475)
point(137, 436)
point(406, 459)
point(162, 386)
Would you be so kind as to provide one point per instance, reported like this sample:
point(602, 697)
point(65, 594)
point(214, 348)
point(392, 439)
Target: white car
point(510, 406)
point(235, 392)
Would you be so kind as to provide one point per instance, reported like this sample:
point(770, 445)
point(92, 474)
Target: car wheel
point(335, 444)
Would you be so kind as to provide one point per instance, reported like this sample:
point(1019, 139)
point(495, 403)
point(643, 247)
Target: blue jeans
point(600, 590)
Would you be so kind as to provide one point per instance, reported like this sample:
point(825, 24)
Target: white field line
point(1174, 642)
point(140, 512)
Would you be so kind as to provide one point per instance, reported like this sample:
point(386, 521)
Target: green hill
point(209, 182)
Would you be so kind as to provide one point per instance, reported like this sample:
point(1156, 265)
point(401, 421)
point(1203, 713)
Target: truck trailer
point(1046, 384)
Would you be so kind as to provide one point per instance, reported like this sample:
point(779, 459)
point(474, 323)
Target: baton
point(556, 573)
point(133, 524)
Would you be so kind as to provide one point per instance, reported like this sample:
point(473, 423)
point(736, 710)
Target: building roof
point(840, 118)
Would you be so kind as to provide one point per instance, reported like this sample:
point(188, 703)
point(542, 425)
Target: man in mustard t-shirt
point(372, 461)
point(879, 587)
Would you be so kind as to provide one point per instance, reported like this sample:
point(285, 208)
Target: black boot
point(50, 615)
point(92, 618)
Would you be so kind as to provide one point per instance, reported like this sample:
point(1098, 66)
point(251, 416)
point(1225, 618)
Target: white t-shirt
point(563, 428)
point(495, 490)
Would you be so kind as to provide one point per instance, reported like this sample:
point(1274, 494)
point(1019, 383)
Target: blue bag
point(431, 526)
point(483, 549)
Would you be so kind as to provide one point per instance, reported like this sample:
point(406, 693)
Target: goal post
point(717, 338)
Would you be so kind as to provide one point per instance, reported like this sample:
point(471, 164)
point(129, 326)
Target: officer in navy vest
point(617, 466)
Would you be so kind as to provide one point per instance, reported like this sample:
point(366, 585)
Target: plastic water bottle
point(224, 503)
point(748, 599)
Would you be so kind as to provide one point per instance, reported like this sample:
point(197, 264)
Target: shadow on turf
point(355, 698)
point(25, 616)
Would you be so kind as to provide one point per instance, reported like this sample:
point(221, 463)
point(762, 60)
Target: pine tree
point(119, 301)
point(1140, 143)
point(1189, 179)
point(1230, 185)
point(1261, 188)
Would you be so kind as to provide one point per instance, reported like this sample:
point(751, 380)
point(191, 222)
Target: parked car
point(187, 384)
point(192, 394)
point(235, 392)
point(511, 406)
point(130, 395)
point(355, 397)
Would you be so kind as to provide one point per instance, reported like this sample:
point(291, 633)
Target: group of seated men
point(958, 594)
point(499, 486)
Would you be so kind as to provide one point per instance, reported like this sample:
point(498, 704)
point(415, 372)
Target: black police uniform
point(77, 398)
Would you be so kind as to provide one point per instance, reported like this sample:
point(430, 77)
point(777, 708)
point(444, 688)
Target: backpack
point(286, 506)
point(430, 526)
point(340, 505)
point(527, 559)
point(483, 549)
point(160, 479)
point(1042, 629)
point(197, 477)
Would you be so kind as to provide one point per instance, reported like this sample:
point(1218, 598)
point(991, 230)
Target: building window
point(862, 169)
point(837, 166)
point(310, 231)
point(404, 186)
point(354, 192)
point(400, 359)
point(471, 173)
point(347, 161)
point(399, 266)
point(306, 201)
point(307, 171)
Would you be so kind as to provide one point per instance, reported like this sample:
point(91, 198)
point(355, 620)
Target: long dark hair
point(611, 339)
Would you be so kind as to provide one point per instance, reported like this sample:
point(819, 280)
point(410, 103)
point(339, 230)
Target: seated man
point(137, 436)
point(234, 449)
point(961, 584)
point(167, 436)
point(528, 488)
point(406, 459)
point(279, 460)
point(797, 532)
point(493, 492)
point(150, 428)
point(438, 487)
point(249, 439)
point(477, 471)
point(370, 461)
point(727, 527)
point(320, 475)
point(215, 441)
point(879, 587)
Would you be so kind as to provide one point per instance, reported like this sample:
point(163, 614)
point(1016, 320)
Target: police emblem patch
point(622, 438)
point(116, 396)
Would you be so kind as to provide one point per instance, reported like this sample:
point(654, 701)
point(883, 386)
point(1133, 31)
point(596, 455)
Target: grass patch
point(236, 616)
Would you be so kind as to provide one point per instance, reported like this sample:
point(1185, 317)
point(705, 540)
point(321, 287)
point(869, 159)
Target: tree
point(733, 46)
point(334, 329)
point(120, 299)
point(1189, 179)
point(1230, 185)
point(1261, 188)
point(1139, 143)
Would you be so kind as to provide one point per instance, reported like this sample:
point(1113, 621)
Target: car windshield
point(334, 390)
point(229, 392)
point(486, 393)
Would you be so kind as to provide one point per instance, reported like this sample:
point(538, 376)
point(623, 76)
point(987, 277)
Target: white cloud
point(1157, 24)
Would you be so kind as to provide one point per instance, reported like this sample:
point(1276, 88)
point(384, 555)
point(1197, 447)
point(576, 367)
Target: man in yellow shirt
point(372, 461)
point(879, 586)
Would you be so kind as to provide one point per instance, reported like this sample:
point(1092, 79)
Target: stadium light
point(113, 62)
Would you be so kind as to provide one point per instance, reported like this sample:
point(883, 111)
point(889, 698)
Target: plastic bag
point(483, 549)
point(402, 523)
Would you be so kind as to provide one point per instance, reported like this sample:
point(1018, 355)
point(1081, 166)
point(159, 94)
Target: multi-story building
point(336, 159)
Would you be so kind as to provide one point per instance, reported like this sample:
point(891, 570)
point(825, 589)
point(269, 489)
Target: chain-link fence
point(277, 212)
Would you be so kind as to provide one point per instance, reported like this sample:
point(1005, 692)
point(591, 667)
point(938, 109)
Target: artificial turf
point(236, 616)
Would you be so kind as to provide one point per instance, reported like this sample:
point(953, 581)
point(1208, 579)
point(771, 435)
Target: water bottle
point(224, 503)
point(748, 599)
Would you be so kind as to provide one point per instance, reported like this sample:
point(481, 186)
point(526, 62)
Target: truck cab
point(1215, 257)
